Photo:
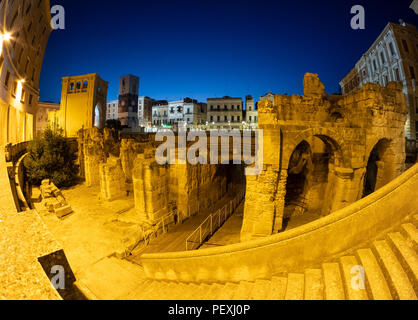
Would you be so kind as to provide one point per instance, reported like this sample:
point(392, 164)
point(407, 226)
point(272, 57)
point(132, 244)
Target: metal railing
point(162, 224)
point(213, 222)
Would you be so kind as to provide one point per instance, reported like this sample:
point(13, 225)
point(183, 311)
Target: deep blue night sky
point(210, 48)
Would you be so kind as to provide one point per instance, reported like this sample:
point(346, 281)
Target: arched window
point(78, 85)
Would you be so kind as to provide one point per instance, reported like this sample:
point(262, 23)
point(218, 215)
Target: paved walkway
point(23, 238)
point(175, 239)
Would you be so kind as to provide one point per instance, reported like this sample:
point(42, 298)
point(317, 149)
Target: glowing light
point(19, 90)
point(4, 37)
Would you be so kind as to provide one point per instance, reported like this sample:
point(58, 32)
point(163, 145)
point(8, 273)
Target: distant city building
point(190, 111)
point(43, 115)
point(145, 111)
point(194, 113)
point(160, 113)
point(392, 57)
point(21, 57)
point(112, 110)
point(225, 112)
point(251, 112)
point(128, 101)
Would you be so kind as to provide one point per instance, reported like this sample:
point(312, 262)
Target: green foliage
point(50, 157)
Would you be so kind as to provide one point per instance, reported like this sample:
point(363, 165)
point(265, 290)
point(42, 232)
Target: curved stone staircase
point(390, 267)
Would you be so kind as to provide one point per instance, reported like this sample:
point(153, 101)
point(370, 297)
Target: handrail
point(213, 222)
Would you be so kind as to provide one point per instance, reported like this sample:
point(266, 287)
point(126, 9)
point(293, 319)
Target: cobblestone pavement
point(23, 238)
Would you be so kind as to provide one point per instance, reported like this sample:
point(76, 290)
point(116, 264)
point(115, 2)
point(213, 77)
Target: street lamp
point(3, 38)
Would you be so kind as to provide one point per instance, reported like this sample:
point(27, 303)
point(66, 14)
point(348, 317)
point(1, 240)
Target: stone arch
point(330, 137)
point(380, 165)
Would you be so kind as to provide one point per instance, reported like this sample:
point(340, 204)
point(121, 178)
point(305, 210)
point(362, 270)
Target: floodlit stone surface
point(319, 151)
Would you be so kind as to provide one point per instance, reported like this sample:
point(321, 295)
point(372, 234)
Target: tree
point(50, 157)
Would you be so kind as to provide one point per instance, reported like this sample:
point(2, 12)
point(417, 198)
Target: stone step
point(277, 288)
point(143, 292)
point(139, 292)
point(394, 272)
point(243, 291)
point(376, 284)
point(410, 232)
point(157, 290)
point(227, 291)
point(214, 291)
point(136, 270)
point(314, 285)
point(193, 292)
point(109, 281)
point(354, 278)
point(260, 290)
point(295, 286)
point(333, 283)
point(407, 257)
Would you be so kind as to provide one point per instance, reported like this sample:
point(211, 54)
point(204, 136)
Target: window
point(238, 118)
point(6, 80)
point(398, 77)
point(391, 49)
point(382, 57)
point(412, 72)
point(374, 65)
point(72, 86)
point(232, 119)
point(219, 118)
point(405, 46)
point(85, 84)
point(238, 107)
point(250, 118)
point(226, 118)
point(211, 118)
point(211, 108)
point(78, 86)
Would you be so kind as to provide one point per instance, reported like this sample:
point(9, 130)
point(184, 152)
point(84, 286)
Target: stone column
point(112, 180)
point(342, 185)
point(280, 201)
point(259, 209)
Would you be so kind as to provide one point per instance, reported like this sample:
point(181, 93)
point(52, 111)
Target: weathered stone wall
point(112, 179)
point(345, 130)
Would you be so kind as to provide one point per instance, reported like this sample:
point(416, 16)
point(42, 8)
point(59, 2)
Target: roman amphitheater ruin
point(331, 216)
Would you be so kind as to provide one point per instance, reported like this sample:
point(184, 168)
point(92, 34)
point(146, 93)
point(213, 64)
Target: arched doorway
point(380, 167)
point(300, 164)
point(97, 122)
point(310, 183)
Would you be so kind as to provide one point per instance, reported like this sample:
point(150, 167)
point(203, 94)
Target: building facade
point(251, 113)
point(225, 113)
point(392, 57)
point(83, 103)
point(145, 111)
point(43, 115)
point(24, 32)
point(160, 113)
point(128, 101)
point(112, 110)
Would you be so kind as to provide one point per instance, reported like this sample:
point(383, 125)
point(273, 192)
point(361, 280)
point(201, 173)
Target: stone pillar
point(150, 183)
point(93, 156)
point(343, 183)
point(260, 204)
point(280, 201)
point(112, 180)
